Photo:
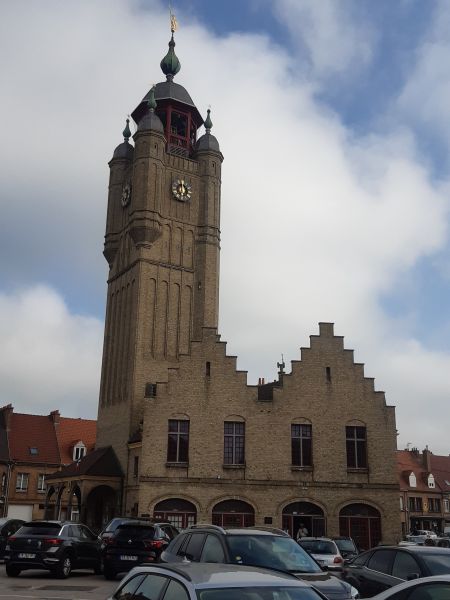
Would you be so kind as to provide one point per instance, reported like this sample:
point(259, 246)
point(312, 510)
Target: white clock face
point(126, 194)
point(181, 190)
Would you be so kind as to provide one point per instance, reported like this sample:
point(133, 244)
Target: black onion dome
point(150, 122)
point(207, 142)
point(124, 150)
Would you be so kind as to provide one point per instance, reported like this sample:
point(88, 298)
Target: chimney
point(7, 412)
point(427, 459)
point(54, 416)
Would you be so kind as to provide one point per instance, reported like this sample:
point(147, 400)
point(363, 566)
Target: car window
point(136, 532)
point(381, 560)
point(319, 546)
point(212, 550)
point(438, 562)
point(361, 559)
point(87, 533)
point(194, 546)
point(404, 565)
point(430, 591)
point(176, 591)
point(167, 531)
point(346, 545)
point(40, 529)
point(74, 531)
point(175, 545)
point(151, 587)
point(259, 593)
point(276, 552)
point(125, 592)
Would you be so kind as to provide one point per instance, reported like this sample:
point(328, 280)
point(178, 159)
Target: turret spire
point(208, 122)
point(151, 102)
point(126, 132)
point(170, 65)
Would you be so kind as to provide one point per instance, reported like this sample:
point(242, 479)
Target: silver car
point(208, 581)
point(324, 551)
point(425, 588)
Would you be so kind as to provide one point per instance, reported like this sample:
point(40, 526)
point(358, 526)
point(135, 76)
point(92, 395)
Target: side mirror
point(412, 576)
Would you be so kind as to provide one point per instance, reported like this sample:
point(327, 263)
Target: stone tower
point(162, 245)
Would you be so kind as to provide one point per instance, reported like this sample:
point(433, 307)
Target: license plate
point(322, 563)
point(124, 557)
point(24, 555)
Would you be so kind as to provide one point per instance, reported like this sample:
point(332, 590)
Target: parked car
point(7, 527)
point(427, 588)
point(134, 542)
point(347, 547)
point(115, 522)
point(381, 568)
point(57, 546)
point(212, 582)
point(260, 547)
point(324, 551)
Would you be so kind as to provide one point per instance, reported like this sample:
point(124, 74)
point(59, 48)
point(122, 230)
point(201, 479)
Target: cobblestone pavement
point(81, 585)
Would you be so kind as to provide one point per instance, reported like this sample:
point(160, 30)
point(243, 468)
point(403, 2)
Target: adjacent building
point(181, 435)
point(31, 448)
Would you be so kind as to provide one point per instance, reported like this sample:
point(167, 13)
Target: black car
point(134, 542)
point(7, 528)
point(56, 546)
point(258, 547)
point(383, 567)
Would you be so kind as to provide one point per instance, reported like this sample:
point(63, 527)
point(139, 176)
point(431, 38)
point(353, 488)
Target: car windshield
point(271, 551)
point(439, 564)
point(346, 545)
point(259, 593)
point(318, 546)
point(40, 529)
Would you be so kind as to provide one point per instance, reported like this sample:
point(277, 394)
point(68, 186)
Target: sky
point(334, 120)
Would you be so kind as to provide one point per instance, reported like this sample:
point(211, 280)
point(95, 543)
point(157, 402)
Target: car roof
point(314, 539)
point(410, 584)
point(238, 530)
point(214, 574)
point(415, 549)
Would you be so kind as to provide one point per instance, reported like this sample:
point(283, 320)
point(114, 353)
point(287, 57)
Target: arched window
point(233, 513)
point(362, 522)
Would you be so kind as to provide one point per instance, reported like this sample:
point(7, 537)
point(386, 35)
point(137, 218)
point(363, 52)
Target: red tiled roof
point(70, 432)
point(440, 467)
point(33, 431)
point(407, 462)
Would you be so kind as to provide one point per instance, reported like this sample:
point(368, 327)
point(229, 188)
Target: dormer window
point(79, 450)
point(412, 480)
point(431, 482)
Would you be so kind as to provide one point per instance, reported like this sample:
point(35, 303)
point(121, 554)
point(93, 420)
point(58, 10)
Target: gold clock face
point(181, 190)
point(126, 194)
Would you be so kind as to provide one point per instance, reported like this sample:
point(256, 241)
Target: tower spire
point(126, 132)
point(170, 65)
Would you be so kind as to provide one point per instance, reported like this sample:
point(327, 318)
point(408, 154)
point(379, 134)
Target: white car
point(426, 588)
point(212, 581)
point(324, 551)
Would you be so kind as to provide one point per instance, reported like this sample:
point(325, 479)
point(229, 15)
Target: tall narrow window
point(301, 445)
point(41, 482)
point(136, 466)
point(178, 441)
point(22, 482)
point(356, 447)
point(233, 443)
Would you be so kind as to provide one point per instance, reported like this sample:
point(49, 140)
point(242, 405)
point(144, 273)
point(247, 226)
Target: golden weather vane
point(173, 20)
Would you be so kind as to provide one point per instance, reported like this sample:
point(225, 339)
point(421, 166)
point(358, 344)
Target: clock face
point(181, 190)
point(126, 194)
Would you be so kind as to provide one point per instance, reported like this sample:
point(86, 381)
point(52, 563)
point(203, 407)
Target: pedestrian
point(302, 531)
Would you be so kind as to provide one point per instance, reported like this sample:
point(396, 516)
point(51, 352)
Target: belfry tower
point(162, 245)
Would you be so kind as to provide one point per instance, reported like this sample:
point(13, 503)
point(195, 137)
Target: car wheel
point(12, 571)
point(64, 567)
point(108, 572)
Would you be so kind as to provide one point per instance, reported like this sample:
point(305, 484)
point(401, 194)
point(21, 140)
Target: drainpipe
point(8, 481)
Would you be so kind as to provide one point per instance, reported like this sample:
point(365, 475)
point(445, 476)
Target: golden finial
point(173, 21)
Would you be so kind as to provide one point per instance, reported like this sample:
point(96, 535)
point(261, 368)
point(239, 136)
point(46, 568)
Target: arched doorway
point(100, 507)
point(362, 523)
point(181, 513)
point(233, 513)
point(307, 513)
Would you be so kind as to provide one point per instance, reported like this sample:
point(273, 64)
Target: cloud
point(49, 358)
point(317, 223)
point(337, 39)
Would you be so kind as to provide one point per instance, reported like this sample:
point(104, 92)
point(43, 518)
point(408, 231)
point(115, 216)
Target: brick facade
point(161, 329)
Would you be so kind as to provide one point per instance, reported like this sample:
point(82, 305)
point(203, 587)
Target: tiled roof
point(72, 431)
point(440, 467)
point(102, 461)
point(33, 431)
